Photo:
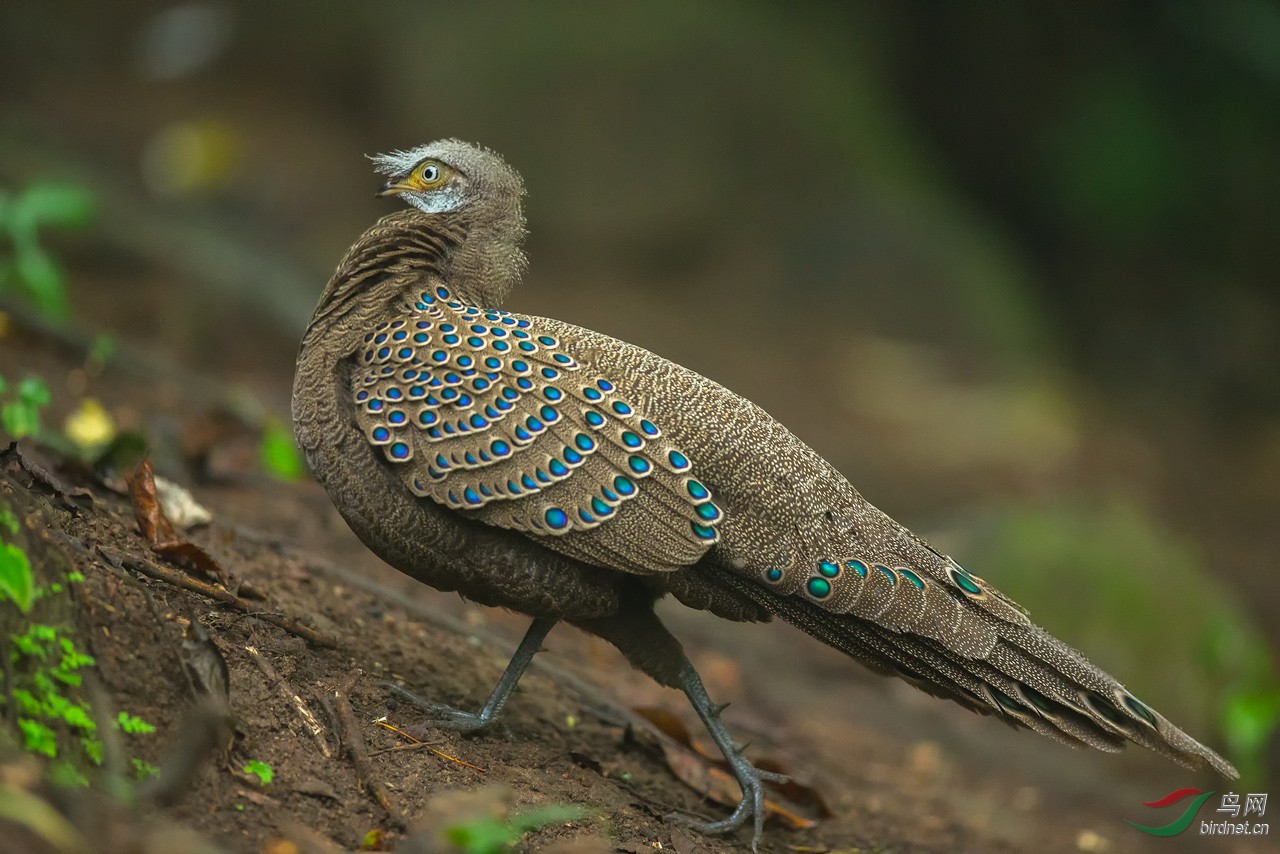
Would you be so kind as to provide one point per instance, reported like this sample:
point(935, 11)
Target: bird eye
point(429, 174)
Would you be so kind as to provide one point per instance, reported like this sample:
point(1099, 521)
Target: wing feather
point(484, 412)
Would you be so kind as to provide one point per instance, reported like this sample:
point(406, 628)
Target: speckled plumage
point(532, 464)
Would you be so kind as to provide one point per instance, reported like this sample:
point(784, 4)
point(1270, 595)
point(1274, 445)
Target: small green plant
point(1250, 710)
point(46, 668)
point(101, 350)
point(27, 267)
point(261, 770)
point(41, 698)
point(133, 725)
point(45, 697)
point(491, 835)
point(65, 774)
point(20, 406)
point(279, 454)
point(17, 584)
point(143, 769)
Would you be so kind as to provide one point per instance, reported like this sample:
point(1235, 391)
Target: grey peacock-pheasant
point(537, 466)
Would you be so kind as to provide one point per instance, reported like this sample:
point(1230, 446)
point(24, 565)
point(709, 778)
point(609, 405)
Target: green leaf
point(43, 280)
point(46, 689)
point(133, 725)
point(261, 770)
point(26, 702)
point(144, 769)
point(1251, 718)
point(16, 582)
point(72, 658)
point(38, 738)
point(78, 717)
point(493, 836)
point(20, 416)
point(554, 814)
point(36, 641)
point(67, 677)
point(279, 454)
point(63, 205)
point(63, 773)
point(483, 836)
point(16, 420)
point(34, 393)
point(92, 749)
point(101, 349)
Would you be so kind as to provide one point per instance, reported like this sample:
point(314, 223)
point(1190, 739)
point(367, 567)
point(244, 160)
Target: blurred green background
point(1011, 267)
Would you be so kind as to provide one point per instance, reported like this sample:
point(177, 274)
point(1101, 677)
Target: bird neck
point(487, 263)
point(480, 260)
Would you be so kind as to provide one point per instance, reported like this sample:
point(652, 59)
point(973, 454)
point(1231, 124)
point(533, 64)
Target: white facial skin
point(435, 201)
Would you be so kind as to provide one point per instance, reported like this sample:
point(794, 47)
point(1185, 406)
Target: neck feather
point(488, 263)
point(409, 250)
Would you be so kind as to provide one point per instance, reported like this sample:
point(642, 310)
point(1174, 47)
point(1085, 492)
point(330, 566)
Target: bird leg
point(464, 721)
point(750, 778)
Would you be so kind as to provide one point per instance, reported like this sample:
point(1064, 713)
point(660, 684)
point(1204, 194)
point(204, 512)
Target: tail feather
point(1076, 682)
point(1026, 677)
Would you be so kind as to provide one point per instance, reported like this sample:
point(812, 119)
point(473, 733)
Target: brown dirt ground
point(901, 772)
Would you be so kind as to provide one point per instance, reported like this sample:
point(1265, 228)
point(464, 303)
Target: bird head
point(477, 189)
point(450, 175)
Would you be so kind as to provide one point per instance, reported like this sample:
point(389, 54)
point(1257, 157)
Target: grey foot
point(751, 780)
point(447, 717)
point(444, 716)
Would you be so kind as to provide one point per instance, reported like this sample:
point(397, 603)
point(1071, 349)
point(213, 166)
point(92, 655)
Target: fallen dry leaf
point(667, 723)
point(719, 785)
point(183, 551)
point(709, 775)
point(155, 526)
point(795, 791)
point(180, 506)
point(159, 531)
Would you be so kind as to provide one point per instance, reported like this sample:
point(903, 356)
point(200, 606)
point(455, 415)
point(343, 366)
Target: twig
point(359, 753)
point(321, 699)
point(309, 721)
point(417, 744)
point(186, 582)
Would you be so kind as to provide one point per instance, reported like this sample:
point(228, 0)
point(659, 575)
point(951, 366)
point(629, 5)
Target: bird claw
point(711, 828)
point(459, 720)
point(750, 780)
point(443, 716)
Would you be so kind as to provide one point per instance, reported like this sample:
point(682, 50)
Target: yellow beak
point(394, 186)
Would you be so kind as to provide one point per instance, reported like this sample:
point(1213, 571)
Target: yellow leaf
point(90, 427)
